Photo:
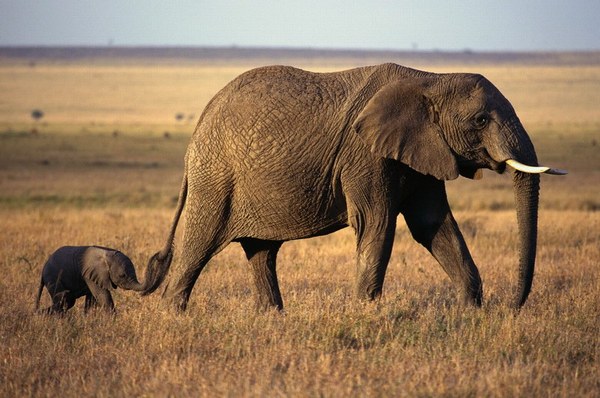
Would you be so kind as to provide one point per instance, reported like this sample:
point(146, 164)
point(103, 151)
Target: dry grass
point(74, 183)
point(415, 341)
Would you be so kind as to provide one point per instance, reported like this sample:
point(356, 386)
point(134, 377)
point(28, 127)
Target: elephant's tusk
point(534, 169)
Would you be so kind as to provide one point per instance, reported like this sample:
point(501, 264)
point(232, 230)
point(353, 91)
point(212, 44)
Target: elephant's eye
point(481, 121)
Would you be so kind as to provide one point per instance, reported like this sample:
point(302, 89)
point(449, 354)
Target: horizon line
point(296, 48)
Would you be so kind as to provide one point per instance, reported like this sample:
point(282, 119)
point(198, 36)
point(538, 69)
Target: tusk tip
point(557, 172)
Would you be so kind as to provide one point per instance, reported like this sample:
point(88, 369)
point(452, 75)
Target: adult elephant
point(282, 154)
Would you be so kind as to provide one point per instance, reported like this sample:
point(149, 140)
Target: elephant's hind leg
point(62, 299)
point(61, 303)
point(262, 255)
point(195, 254)
point(178, 292)
point(206, 232)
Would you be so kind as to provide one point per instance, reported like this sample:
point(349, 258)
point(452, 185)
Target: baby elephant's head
point(121, 271)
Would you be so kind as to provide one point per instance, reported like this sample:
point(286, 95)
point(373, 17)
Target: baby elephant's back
point(64, 264)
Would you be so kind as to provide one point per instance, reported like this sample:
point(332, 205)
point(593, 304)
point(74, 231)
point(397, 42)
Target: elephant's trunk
point(132, 284)
point(526, 188)
point(513, 146)
point(137, 286)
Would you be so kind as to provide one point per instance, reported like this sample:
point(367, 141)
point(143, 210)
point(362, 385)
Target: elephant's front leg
point(102, 297)
point(90, 302)
point(432, 224)
point(375, 238)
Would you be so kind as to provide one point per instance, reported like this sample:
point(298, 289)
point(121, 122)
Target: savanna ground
point(100, 168)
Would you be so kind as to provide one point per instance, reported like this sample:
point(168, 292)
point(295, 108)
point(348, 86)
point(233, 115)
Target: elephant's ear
point(94, 268)
point(399, 122)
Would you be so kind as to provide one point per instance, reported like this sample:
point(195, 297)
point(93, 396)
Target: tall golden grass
point(75, 182)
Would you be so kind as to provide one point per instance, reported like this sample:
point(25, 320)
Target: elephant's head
point(451, 124)
point(110, 269)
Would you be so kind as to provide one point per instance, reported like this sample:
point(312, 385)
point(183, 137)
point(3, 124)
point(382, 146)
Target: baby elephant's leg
point(62, 299)
point(61, 302)
point(102, 297)
point(90, 302)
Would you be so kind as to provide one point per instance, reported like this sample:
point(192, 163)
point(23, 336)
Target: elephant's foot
point(56, 311)
point(176, 300)
point(473, 296)
point(178, 303)
point(266, 304)
point(367, 291)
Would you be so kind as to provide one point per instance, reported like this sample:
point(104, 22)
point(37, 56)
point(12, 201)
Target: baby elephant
point(91, 271)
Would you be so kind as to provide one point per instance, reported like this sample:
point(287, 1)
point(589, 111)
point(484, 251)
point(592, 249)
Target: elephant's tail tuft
point(156, 271)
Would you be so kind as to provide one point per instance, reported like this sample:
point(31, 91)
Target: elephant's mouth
point(471, 168)
point(483, 159)
point(492, 164)
point(498, 167)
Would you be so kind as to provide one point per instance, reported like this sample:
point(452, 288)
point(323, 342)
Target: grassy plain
point(76, 181)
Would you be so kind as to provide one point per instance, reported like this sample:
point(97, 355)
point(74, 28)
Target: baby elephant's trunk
point(135, 286)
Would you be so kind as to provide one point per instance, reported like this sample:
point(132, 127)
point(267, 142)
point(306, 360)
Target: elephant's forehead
point(486, 91)
point(476, 97)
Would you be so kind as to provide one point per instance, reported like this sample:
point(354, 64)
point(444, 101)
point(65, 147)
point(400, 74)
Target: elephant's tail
point(39, 295)
point(160, 262)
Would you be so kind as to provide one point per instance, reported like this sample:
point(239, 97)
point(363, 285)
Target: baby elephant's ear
point(399, 122)
point(94, 267)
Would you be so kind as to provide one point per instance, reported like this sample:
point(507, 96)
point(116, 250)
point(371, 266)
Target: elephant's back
point(274, 111)
point(267, 118)
point(273, 98)
point(289, 105)
point(65, 260)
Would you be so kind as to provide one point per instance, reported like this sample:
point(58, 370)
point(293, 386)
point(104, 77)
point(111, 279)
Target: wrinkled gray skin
point(282, 154)
point(75, 271)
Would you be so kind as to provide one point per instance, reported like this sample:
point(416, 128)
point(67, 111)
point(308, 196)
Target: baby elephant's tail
point(159, 263)
point(39, 295)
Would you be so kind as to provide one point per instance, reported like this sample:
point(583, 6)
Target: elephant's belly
point(300, 212)
point(287, 232)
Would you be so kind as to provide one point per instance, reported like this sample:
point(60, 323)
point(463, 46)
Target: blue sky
point(482, 25)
